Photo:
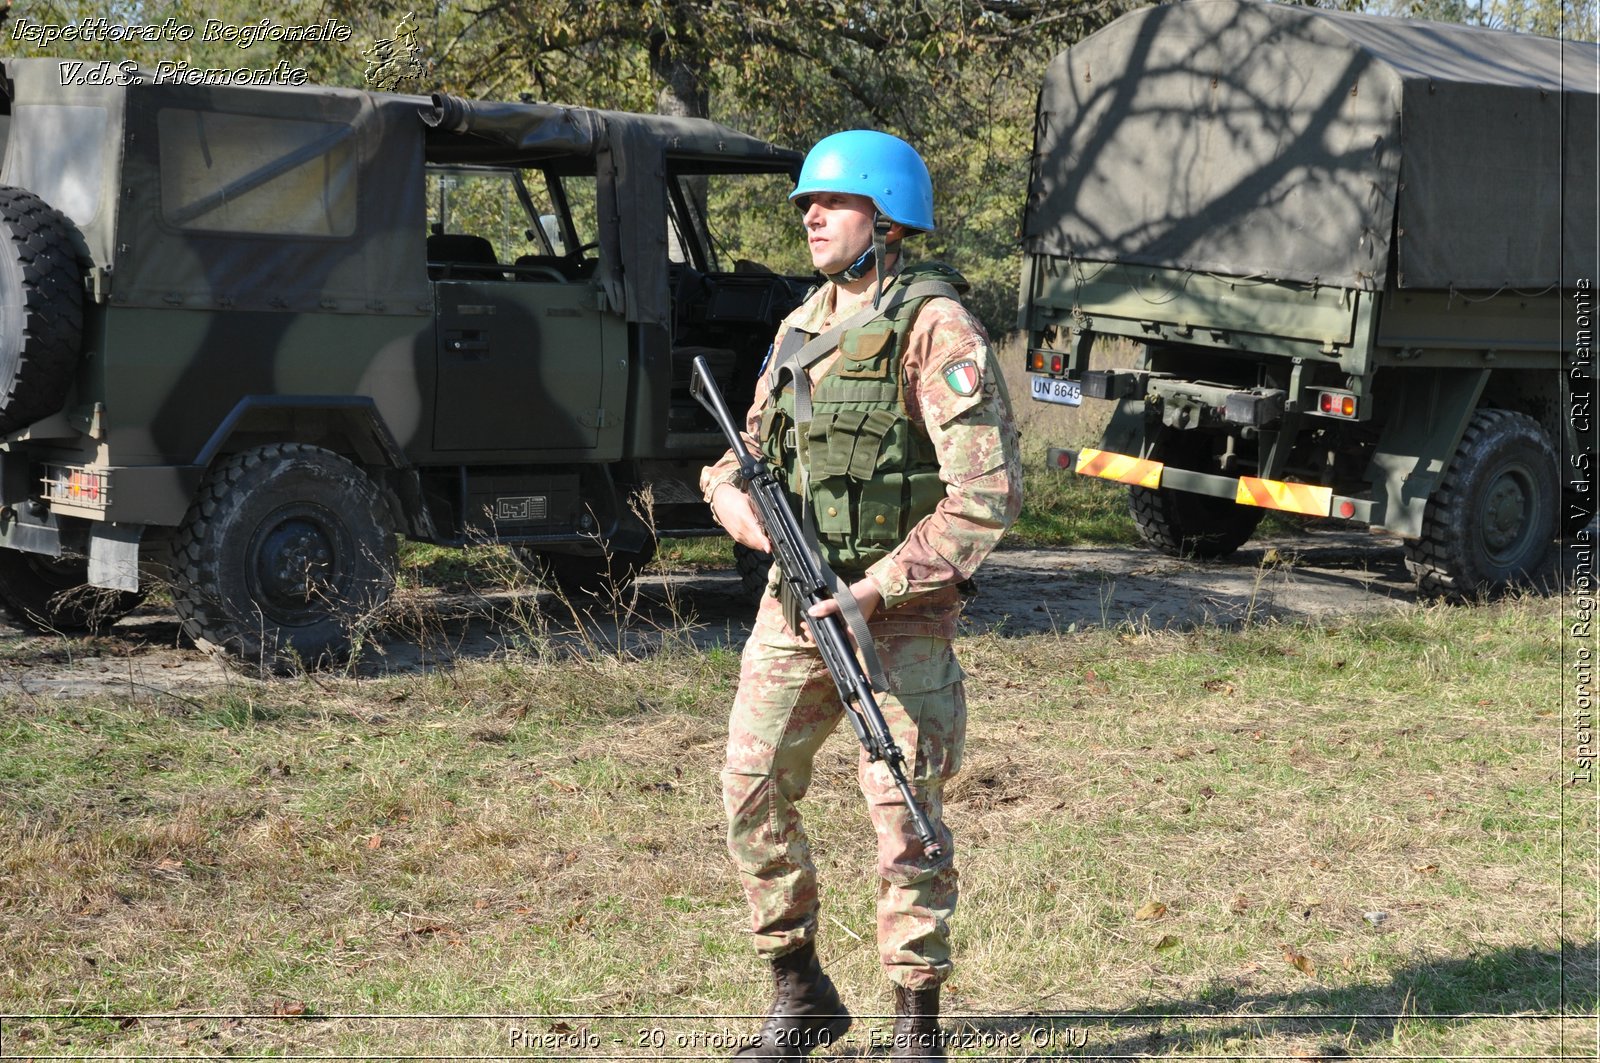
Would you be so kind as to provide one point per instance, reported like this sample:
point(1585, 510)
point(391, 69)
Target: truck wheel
point(41, 308)
point(584, 576)
point(52, 594)
point(285, 548)
point(753, 568)
point(1182, 524)
point(1492, 522)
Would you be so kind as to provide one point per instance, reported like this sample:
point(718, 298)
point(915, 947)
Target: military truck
point(1353, 255)
point(248, 334)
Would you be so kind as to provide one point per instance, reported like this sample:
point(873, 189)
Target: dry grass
point(1152, 828)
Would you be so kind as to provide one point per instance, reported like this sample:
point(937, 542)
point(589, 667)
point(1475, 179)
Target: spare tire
point(41, 308)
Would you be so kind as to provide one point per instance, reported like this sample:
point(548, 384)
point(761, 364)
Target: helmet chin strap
point(872, 256)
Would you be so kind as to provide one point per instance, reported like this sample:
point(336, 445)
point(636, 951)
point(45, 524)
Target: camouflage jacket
point(954, 392)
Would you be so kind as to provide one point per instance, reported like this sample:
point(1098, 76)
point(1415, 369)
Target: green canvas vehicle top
point(249, 333)
point(1356, 256)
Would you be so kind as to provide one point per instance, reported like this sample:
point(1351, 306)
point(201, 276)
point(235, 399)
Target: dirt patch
point(1022, 591)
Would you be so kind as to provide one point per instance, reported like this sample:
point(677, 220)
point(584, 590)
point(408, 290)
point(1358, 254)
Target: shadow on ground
point(1523, 983)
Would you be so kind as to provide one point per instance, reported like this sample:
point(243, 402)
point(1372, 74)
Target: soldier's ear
point(896, 233)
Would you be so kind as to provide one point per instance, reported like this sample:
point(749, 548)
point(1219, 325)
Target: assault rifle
point(804, 574)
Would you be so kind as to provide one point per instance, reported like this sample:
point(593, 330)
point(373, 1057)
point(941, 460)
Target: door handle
point(466, 342)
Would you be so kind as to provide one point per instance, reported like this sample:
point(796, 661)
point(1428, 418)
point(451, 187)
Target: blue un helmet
point(882, 167)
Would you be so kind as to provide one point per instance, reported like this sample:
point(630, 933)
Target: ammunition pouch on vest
point(872, 472)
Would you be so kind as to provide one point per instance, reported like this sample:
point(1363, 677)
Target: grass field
point(1276, 842)
point(1281, 841)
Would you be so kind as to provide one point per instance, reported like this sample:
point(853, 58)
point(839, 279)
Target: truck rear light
point(1336, 404)
point(1041, 360)
point(77, 486)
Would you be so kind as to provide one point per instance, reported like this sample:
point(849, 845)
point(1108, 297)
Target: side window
point(489, 205)
point(581, 199)
point(248, 174)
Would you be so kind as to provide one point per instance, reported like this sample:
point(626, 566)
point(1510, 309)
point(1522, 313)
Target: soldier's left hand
point(865, 592)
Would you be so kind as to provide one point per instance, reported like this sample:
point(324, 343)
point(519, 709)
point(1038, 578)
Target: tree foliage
point(957, 78)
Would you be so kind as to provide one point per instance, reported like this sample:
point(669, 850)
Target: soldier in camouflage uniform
point(909, 467)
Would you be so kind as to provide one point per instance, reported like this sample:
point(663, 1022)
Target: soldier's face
point(838, 229)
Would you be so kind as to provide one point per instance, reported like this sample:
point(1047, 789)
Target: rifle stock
point(804, 574)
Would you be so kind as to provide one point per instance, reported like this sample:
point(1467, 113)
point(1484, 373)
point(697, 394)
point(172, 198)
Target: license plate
point(1064, 392)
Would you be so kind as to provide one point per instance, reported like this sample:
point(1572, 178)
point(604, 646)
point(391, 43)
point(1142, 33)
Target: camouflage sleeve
point(725, 470)
point(955, 390)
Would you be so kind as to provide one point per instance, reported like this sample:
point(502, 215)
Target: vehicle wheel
point(41, 308)
point(52, 594)
point(1491, 524)
point(284, 550)
point(584, 577)
point(753, 568)
point(1182, 524)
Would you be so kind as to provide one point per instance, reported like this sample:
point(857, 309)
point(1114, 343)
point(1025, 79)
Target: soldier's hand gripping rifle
point(804, 574)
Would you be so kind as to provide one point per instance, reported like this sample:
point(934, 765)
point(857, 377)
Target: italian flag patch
point(962, 377)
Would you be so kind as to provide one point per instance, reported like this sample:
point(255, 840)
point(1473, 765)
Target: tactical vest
point(873, 473)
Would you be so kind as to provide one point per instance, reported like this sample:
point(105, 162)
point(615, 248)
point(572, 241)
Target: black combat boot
point(806, 1010)
point(916, 1024)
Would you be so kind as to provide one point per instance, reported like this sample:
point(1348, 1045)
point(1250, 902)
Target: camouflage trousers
point(785, 708)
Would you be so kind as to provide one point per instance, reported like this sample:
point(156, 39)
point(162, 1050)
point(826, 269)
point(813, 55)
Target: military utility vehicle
point(1358, 257)
point(247, 334)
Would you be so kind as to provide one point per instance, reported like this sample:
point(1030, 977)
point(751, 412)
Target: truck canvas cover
point(1254, 139)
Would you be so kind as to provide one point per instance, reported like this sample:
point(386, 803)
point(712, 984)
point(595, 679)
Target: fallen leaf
point(374, 841)
point(1207, 792)
point(1151, 910)
point(1300, 962)
point(560, 1027)
point(1320, 863)
point(1219, 686)
point(169, 864)
point(1240, 905)
point(1427, 869)
point(1167, 942)
point(289, 1007)
point(481, 903)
